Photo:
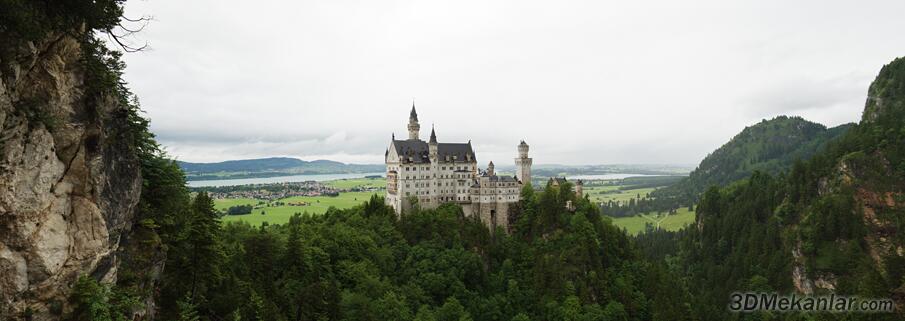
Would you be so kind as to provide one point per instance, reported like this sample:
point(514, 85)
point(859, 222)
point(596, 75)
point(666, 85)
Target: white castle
point(431, 173)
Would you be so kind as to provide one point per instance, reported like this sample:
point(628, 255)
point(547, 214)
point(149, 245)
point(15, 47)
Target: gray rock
point(68, 190)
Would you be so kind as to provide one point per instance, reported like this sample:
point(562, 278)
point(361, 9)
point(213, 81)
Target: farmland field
point(281, 214)
point(223, 204)
point(635, 224)
point(612, 193)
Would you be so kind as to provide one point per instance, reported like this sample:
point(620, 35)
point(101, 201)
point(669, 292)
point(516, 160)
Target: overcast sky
point(583, 82)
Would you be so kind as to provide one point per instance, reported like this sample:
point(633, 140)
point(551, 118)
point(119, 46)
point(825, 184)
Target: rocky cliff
point(69, 182)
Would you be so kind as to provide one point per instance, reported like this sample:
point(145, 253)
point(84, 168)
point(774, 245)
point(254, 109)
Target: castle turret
point(523, 164)
point(432, 145)
point(414, 127)
point(579, 188)
point(490, 169)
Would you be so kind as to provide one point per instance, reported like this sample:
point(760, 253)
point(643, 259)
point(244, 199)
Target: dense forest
point(366, 263)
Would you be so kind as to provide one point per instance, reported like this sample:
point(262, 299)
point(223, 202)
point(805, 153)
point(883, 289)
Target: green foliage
point(26, 20)
point(94, 301)
point(187, 311)
point(194, 259)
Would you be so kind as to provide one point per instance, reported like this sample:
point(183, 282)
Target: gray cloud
point(808, 95)
point(581, 81)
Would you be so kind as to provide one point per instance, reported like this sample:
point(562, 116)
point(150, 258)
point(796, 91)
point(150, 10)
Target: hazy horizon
point(651, 82)
point(542, 165)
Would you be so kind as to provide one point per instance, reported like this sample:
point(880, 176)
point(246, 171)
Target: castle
point(430, 173)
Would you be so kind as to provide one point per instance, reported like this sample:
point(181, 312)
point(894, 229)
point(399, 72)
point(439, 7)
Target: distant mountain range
point(271, 167)
point(283, 166)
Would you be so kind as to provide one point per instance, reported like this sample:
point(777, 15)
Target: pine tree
point(205, 254)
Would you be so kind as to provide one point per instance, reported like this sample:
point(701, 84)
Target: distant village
point(276, 191)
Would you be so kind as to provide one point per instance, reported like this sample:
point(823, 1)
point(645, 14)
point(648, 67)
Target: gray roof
point(419, 151)
point(558, 180)
point(495, 178)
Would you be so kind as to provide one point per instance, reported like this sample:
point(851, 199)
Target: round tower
point(523, 164)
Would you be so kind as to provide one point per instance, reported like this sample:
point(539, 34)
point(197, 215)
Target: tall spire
point(413, 126)
point(433, 135)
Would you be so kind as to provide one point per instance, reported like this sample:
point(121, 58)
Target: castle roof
point(420, 153)
point(413, 115)
point(497, 178)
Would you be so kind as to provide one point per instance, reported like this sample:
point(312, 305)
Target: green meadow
point(612, 193)
point(635, 224)
point(272, 214)
point(319, 204)
point(281, 214)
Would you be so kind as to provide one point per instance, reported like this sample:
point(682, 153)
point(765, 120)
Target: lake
point(278, 179)
point(608, 176)
point(331, 177)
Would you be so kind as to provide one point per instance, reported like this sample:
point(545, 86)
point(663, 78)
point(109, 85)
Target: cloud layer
point(582, 81)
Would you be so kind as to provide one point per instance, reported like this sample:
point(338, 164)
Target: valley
point(351, 193)
point(280, 210)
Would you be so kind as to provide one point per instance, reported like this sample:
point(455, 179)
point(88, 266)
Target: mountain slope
point(770, 146)
point(834, 224)
point(269, 167)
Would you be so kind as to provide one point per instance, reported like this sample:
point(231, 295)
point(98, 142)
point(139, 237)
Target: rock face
point(68, 186)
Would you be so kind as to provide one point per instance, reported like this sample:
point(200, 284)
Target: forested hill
point(770, 146)
point(833, 224)
point(269, 167)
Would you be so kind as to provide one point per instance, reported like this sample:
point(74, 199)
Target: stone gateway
point(427, 174)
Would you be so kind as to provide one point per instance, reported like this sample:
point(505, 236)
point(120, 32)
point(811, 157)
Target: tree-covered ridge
point(833, 223)
point(771, 146)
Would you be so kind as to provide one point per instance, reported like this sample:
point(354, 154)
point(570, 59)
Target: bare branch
point(126, 48)
point(118, 37)
point(142, 18)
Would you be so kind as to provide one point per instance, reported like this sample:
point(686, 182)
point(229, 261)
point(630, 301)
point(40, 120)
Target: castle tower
point(432, 145)
point(579, 188)
point(414, 128)
point(523, 164)
point(490, 169)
